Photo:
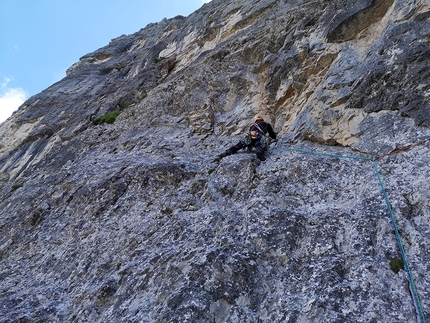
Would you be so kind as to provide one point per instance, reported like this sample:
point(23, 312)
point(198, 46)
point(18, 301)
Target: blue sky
point(41, 39)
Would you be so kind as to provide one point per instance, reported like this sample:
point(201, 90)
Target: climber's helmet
point(258, 118)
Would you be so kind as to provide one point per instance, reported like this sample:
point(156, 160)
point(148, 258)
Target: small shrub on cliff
point(16, 186)
point(396, 265)
point(107, 118)
point(158, 59)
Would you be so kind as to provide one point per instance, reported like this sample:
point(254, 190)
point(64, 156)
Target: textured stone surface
point(134, 222)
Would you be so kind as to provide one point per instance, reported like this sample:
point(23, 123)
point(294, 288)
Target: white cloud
point(10, 99)
point(13, 48)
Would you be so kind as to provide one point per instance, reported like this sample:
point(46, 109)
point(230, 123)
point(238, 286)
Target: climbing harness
point(412, 285)
point(247, 139)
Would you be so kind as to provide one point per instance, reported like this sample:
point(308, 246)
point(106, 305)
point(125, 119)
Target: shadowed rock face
point(351, 26)
point(134, 222)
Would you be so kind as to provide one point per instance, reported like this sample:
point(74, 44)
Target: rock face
point(134, 222)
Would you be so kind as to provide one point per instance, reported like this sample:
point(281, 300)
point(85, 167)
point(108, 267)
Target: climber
point(256, 137)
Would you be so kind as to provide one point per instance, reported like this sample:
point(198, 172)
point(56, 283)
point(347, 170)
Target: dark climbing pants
point(257, 144)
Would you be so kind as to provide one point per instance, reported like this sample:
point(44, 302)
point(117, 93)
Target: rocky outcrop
point(134, 221)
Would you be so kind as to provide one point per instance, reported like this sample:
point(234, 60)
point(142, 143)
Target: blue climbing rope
point(323, 154)
point(402, 250)
point(413, 287)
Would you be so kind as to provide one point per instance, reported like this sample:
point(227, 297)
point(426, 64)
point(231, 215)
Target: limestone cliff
point(133, 221)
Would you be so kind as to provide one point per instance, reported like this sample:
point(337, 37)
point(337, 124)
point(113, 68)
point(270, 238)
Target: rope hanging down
point(412, 285)
point(402, 250)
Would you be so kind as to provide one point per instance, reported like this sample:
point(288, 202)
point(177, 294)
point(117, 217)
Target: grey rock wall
point(135, 222)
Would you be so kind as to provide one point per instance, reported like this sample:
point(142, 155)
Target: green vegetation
point(158, 59)
point(107, 118)
point(111, 116)
point(16, 186)
point(396, 264)
point(210, 171)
